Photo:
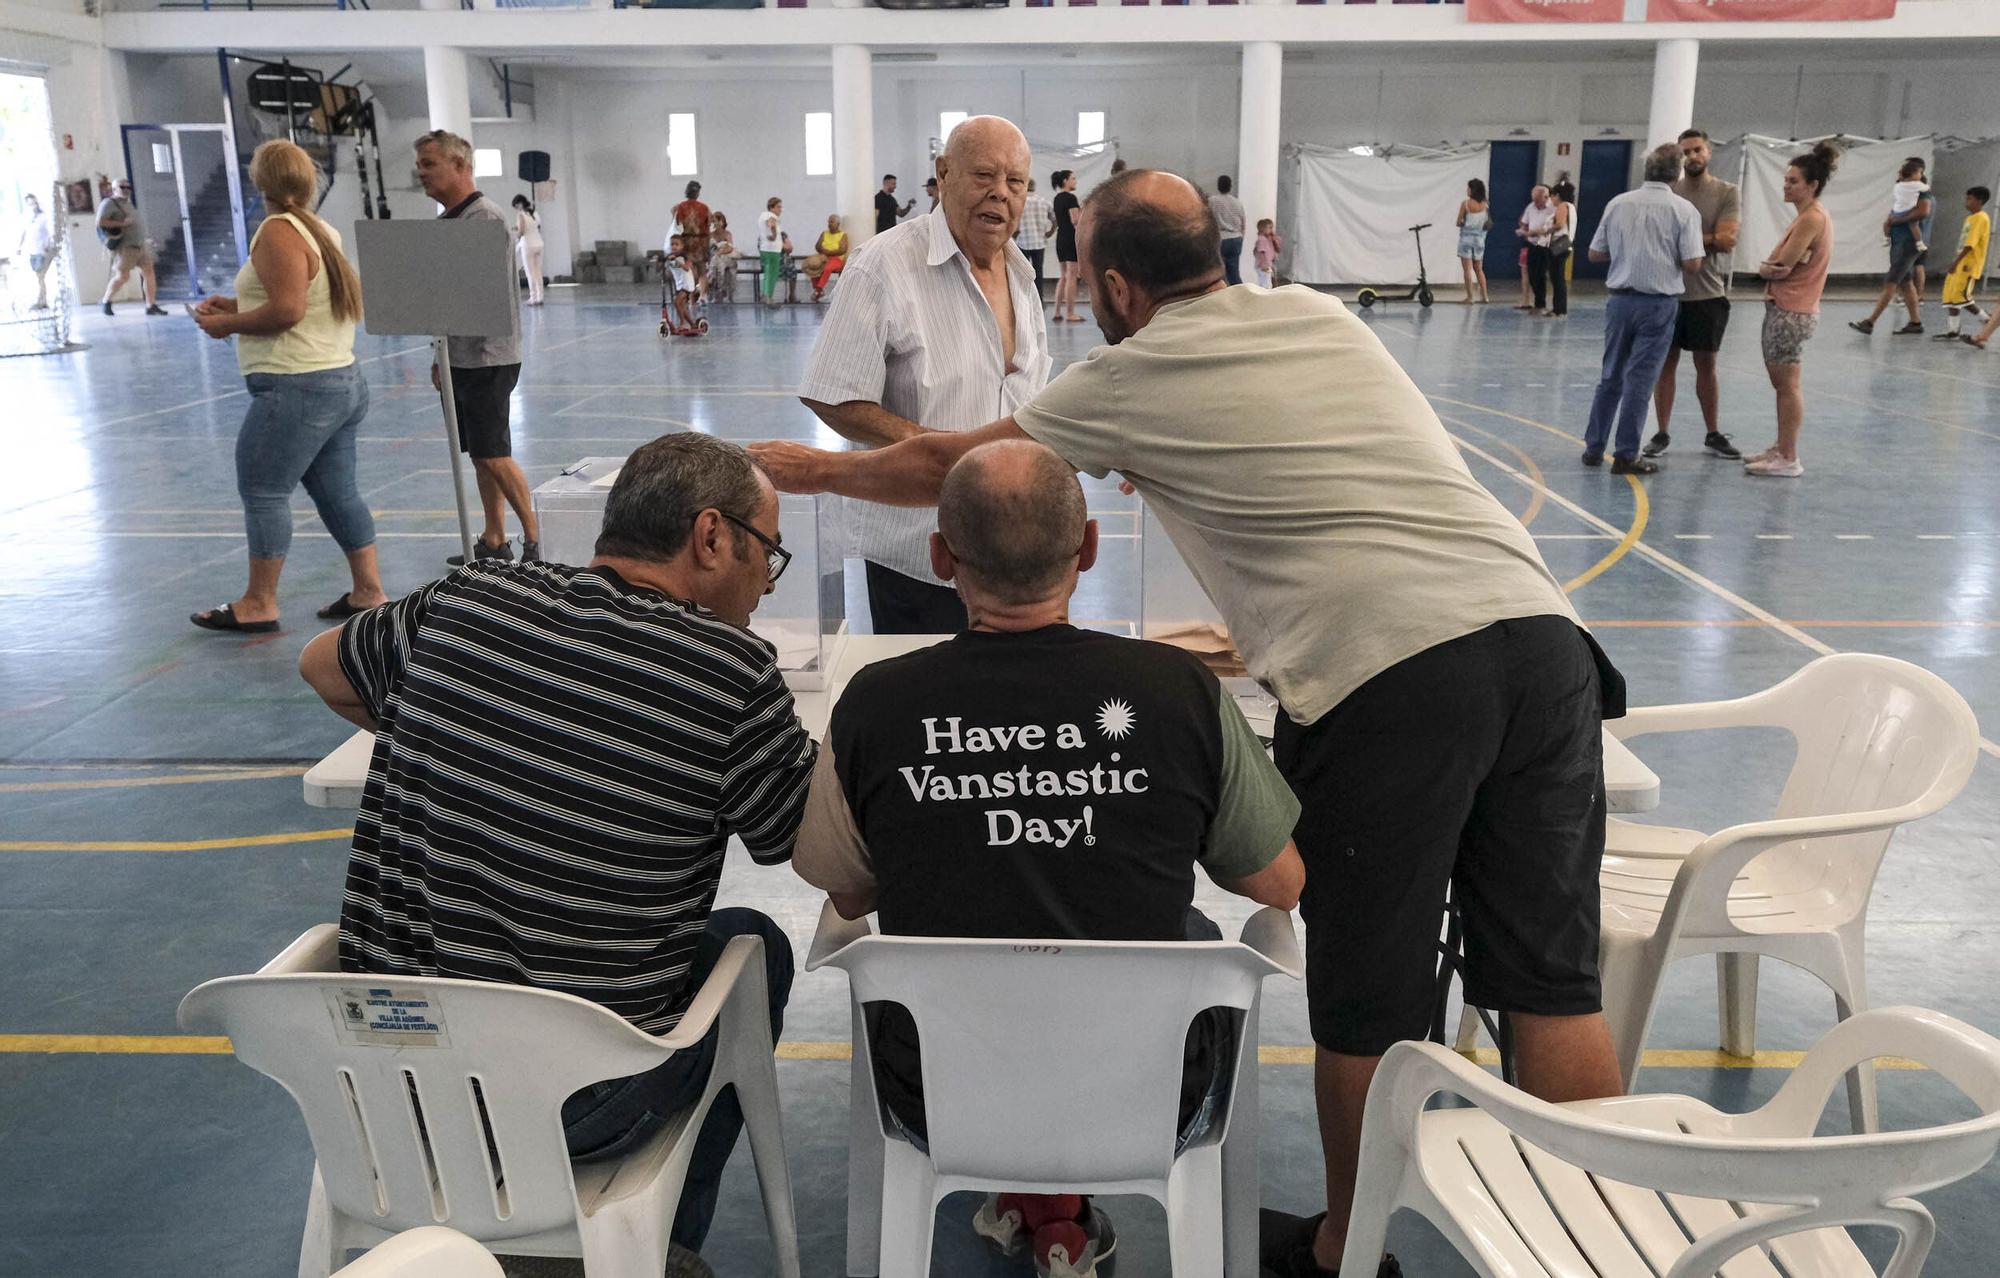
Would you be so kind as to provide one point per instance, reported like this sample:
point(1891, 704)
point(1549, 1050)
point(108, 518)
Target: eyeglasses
point(776, 556)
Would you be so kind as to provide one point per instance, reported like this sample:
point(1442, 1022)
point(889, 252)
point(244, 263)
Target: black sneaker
point(107, 308)
point(1862, 326)
point(1633, 466)
point(1656, 445)
point(1910, 329)
point(531, 551)
point(156, 309)
point(1944, 337)
point(1716, 445)
point(1593, 459)
point(480, 550)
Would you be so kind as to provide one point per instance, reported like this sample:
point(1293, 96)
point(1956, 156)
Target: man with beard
point(1704, 310)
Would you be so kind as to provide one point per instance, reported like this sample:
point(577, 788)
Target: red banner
point(1545, 10)
point(1768, 10)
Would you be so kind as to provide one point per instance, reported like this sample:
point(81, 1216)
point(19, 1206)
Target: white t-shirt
point(770, 236)
point(1306, 481)
point(1541, 222)
point(1903, 196)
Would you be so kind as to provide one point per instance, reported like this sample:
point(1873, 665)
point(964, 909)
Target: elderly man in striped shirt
point(936, 322)
point(562, 755)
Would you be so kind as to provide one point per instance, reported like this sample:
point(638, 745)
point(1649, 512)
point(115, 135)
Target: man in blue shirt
point(1652, 238)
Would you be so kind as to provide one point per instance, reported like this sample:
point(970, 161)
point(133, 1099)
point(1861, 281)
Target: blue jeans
point(606, 1119)
point(1232, 259)
point(1638, 328)
point(300, 429)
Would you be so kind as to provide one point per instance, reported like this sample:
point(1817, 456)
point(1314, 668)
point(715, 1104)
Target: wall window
point(487, 162)
point(1089, 128)
point(949, 120)
point(819, 143)
point(681, 160)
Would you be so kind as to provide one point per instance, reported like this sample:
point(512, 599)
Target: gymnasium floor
point(153, 836)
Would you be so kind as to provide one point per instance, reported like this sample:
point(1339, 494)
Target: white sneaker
point(1766, 455)
point(1776, 468)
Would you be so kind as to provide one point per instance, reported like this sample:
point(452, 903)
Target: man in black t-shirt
point(1030, 779)
point(886, 208)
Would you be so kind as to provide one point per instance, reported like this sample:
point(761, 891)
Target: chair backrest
point(428, 1101)
point(1056, 1062)
point(1769, 1156)
point(1873, 734)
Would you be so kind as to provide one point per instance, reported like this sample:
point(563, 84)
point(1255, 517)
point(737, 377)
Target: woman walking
point(528, 245)
point(1064, 181)
point(1474, 220)
point(1796, 270)
point(297, 301)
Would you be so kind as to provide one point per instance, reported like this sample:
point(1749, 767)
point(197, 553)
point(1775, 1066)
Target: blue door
point(1513, 169)
point(1606, 172)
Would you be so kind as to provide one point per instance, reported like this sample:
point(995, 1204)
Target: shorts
point(1701, 324)
point(481, 395)
point(38, 262)
point(1475, 767)
point(1472, 244)
point(131, 255)
point(1958, 287)
point(1786, 334)
point(1903, 259)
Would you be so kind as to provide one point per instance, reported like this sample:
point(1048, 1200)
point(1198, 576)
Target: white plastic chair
point(1880, 742)
point(1619, 1188)
point(1055, 1067)
point(430, 1252)
point(467, 1131)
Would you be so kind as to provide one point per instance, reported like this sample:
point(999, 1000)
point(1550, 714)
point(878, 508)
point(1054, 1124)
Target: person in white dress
point(528, 246)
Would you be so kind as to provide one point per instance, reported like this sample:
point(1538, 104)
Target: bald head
point(982, 184)
point(1146, 235)
point(1014, 516)
point(980, 136)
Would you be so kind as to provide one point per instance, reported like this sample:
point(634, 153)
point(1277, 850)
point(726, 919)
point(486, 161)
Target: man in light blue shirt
point(1652, 238)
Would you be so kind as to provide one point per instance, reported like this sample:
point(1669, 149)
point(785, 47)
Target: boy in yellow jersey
point(1969, 267)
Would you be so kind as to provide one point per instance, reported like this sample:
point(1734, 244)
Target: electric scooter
point(1421, 293)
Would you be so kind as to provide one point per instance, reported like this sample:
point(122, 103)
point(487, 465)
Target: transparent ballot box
point(802, 618)
point(1174, 609)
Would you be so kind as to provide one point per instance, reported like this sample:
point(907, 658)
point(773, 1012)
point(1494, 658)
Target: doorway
point(34, 303)
point(191, 197)
point(1605, 172)
point(1513, 169)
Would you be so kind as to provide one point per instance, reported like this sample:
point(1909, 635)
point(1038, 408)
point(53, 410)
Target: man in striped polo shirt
point(562, 755)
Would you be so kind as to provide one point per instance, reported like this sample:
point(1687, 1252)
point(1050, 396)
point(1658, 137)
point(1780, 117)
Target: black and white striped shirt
point(562, 759)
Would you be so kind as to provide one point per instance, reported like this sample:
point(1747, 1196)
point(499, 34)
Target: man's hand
point(793, 467)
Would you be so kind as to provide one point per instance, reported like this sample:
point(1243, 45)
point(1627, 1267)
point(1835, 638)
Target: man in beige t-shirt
point(1442, 706)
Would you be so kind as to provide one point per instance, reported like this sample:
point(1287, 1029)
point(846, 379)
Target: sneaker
point(1718, 445)
point(480, 550)
point(1766, 455)
point(1909, 330)
point(1862, 326)
point(1002, 1223)
point(1300, 1264)
point(1945, 337)
point(531, 551)
point(107, 308)
point(156, 309)
point(682, 1263)
point(1593, 459)
point(1656, 445)
point(1633, 466)
point(1075, 1248)
point(1775, 467)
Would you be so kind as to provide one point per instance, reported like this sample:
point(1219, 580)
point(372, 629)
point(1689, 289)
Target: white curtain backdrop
point(1857, 198)
point(1958, 166)
point(1351, 213)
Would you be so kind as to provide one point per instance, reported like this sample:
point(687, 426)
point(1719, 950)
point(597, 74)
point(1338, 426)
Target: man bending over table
point(1115, 767)
point(561, 756)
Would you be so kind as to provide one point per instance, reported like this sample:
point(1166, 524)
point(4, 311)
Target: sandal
point(223, 617)
point(1970, 340)
point(339, 610)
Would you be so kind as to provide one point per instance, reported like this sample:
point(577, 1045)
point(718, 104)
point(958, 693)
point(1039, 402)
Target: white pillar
point(854, 175)
point(447, 85)
point(1675, 63)
point(1257, 140)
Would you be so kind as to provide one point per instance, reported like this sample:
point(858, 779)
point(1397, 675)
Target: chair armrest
point(736, 959)
point(1269, 932)
point(316, 950)
point(1964, 1055)
point(833, 935)
point(1700, 895)
point(1694, 716)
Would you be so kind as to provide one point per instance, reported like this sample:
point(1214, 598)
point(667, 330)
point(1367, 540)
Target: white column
point(854, 175)
point(1257, 140)
point(1675, 63)
point(447, 85)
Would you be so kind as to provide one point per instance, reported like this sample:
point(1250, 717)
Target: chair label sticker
point(388, 1016)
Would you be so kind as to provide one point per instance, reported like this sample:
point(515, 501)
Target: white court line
point(1854, 536)
point(1934, 537)
point(1676, 567)
point(1694, 537)
point(1774, 536)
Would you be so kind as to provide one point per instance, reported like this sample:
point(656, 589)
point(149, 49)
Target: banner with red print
point(1769, 10)
point(1545, 10)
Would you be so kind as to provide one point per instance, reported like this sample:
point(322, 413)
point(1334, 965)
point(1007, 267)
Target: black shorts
point(1476, 766)
point(481, 396)
point(1701, 324)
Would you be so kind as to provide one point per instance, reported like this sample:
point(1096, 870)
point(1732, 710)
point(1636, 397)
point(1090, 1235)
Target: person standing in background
point(1969, 267)
point(1269, 245)
point(1475, 218)
point(721, 280)
point(931, 189)
point(1704, 313)
point(1536, 227)
point(1038, 223)
point(297, 302)
point(1796, 270)
point(484, 370)
point(887, 211)
point(1230, 217)
point(528, 245)
point(691, 221)
point(1652, 238)
point(38, 239)
point(1562, 197)
point(771, 248)
point(1065, 207)
point(124, 234)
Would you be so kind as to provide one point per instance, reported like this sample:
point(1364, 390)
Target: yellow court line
point(204, 1045)
point(126, 783)
point(1642, 510)
point(189, 845)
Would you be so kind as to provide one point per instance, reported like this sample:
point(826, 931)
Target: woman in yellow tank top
point(297, 302)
